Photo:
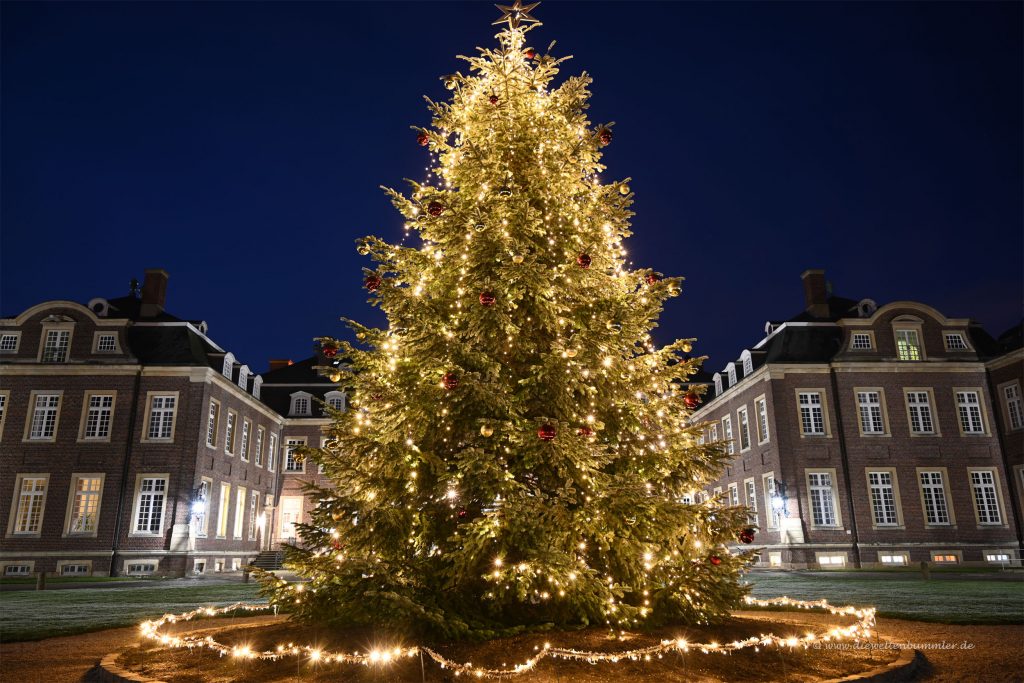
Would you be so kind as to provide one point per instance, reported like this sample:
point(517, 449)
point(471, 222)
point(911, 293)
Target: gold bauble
point(571, 353)
point(486, 430)
point(335, 377)
point(686, 347)
point(450, 83)
point(623, 189)
point(336, 515)
point(518, 258)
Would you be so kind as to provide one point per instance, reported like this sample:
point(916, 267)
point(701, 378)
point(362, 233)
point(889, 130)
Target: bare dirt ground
point(994, 653)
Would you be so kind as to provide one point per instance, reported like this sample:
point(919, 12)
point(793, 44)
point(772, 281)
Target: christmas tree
point(517, 452)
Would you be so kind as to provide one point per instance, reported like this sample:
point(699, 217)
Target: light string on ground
point(862, 629)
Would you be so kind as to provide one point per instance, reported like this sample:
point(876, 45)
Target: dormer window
point(861, 341)
point(9, 342)
point(718, 384)
point(243, 377)
point(106, 342)
point(335, 399)
point(955, 341)
point(56, 343)
point(908, 345)
point(730, 371)
point(257, 384)
point(229, 365)
point(748, 363)
point(300, 404)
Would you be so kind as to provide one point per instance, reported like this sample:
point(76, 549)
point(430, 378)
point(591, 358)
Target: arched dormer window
point(243, 377)
point(718, 384)
point(301, 404)
point(748, 363)
point(730, 371)
point(229, 364)
point(335, 399)
point(908, 332)
point(257, 384)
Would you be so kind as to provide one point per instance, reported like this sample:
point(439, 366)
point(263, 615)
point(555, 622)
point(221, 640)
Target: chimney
point(154, 292)
point(815, 293)
point(278, 363)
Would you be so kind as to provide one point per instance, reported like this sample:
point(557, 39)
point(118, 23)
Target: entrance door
point(291, 512)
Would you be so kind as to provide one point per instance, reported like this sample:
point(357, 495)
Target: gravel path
point(997, 653)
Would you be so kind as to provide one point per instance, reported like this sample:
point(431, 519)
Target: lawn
point(31, 615)
point(946, 600)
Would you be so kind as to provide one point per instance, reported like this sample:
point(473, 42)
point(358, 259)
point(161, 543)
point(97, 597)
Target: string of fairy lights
point(861, 629)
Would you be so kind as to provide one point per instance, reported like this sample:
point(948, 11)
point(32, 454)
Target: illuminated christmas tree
point(517, 451)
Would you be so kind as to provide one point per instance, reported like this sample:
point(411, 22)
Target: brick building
point(131, 442)
point(873, 436)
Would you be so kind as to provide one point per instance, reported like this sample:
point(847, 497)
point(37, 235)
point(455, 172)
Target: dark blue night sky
point(240, 146)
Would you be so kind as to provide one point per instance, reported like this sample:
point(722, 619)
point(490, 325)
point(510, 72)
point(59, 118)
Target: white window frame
point(771, 518)
point(243, 377)
point(33, 497)
point(72, 506)
point(254, 504)
point(743, 422)
point(727, 434)
point(87, 411)
point(730, 372)
point(62, 565)
point(5, 399)
point(761, 414)
point(272, 452)
point(336, 396)
point(929, 405)
point(230, 431)
point(750, 495)
point(813, 482)
point(930, 491)
point(718, 384)
point(140, 480)
point(830, 560)
point(306, 400)
point(974, 474)
point(56, 328)
point(734, 494)
point(962, 346)
point(893, 558)
point(261, 434)
point(859, 335)
point(150, 400)
point(153, 562)
point(257, 386)
point(228, 368)
point(212, 423)
point(884, 489)
point(33, 407)
point(871, 405)
point(243, 446)
point(809, 406)
point(99, 336)
point(747, 362)
point(1013, 405)
point(23, 567)
point(964, 409)
point(906, 350)
point(16, 336)
point(201, 519)
point(290, 444)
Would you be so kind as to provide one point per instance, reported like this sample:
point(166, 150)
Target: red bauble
point(435, 208)
point(715, 560)
point(493, 99)
point(372, 282)
point(691, 400)
point(329, 349)
point(487, 298)
point(530, 53)
point(585, 431)
point(336, 544)
point(584, 261)
point(546, 432)
point(463, 512)
point(651, 278)
point(747, 535)
point(422, 138)
point(605, 136)
point(450, 380)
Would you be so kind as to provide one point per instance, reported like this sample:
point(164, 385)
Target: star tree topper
point(515, 14)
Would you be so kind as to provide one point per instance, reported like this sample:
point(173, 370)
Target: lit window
point(291, 462)
point(832, 560)
point(149, 510)
point(997, 557)
point(254, 502)
point(29, 516)
point(85, 505)
point(223, 507)
point(945, 558)
point(895, 560)
point(97, 419)
point(239, 511)
point(201, 508)
point(907, 345)
point(812, 418)
point(968, 407)
point(55, 347)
